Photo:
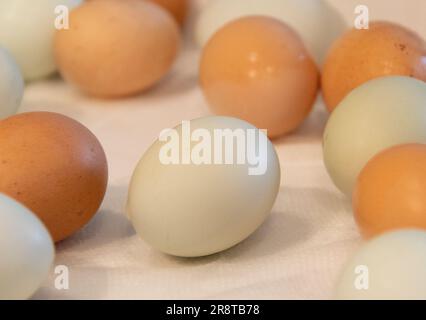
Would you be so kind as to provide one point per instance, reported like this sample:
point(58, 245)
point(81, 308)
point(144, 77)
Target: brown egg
point(178, 8)
point(116, 48)
point(54, 166)
point(362, 55)
point(391, 191)
point(257, 69)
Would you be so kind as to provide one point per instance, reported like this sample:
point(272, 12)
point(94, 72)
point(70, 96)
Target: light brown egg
point(362, 55)
point(117, 48)
point(54, 166)
point(257, 69)
point(178, 8)
point(391, 191)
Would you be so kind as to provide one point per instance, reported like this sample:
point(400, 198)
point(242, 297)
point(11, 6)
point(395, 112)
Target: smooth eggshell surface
point(257, 69)
point(55, 166)
point(362, 55)
point(192, 210)
point(26, 251)
point(316, 21)
point(11, 85)
point(391, 191)
point(117, 48)
point(377, 115)
point(390, 267)
point(27, 29)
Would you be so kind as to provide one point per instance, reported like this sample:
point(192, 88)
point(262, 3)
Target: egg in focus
point(389, 267)
point(11, 85)
point(54, 166)
point(384, 49)
point(379, 114)
point(200, 208)
point(257, 69)
point(26, 251)
point(117, 48)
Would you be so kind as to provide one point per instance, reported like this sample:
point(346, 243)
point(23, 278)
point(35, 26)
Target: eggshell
point(192, 210)
point(178, 8)
point(27, 29)
point(257, 69)
point(318, 23)
point(26, 251)
point(55, 166)
point(361, 55)
point(390, 267)
point(377, 115)
point(11, 85)
point(117, 48)
point(391, 191)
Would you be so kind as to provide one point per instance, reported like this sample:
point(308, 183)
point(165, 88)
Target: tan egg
point(391, 191)
point(54, 166)
point(178, 8)
point(257, 69)
point(117, 48)
point(362, 55)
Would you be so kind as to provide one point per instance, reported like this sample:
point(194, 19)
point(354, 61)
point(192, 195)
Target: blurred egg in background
point(379, 114)
point(318, 23)
point(384, 49)
point(27, 29)
point(257, 69)
point(117, 48)
point(11, 84)
point(26, 251)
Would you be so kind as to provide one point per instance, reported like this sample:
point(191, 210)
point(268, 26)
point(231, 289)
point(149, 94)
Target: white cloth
point(296, 254)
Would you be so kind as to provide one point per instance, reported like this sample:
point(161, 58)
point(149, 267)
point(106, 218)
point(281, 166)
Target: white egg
point(27, 29)
point(377, 115)
point(11, 85)
point(391, 267)
point(26, 251)
point(318, 23)
point(200, 206)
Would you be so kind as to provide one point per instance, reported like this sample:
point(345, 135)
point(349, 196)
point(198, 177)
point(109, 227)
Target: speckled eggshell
point(55, 166)
point(361, 55)
point(11, 85)
point(26, 251)
point(379, 114)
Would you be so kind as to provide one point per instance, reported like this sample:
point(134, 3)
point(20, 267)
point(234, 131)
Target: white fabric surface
point(296, 254)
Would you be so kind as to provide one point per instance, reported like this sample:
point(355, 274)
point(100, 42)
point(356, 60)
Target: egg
point(361, 55)
point(209, 195)
point(257, 69)
point(391, 191)
point(26, 250)
point(318, 23)
point(11, 85)
point(54, 166)
point(377, 115)
point(117, 48)
point(178, 8)
point(390, 267)
point(27, 29)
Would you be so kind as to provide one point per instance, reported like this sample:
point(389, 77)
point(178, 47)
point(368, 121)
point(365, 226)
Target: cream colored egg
point(26, 251)
point(377, 115)
point(27, 29)
point(318, 23)
point(200, 202)
point(11, 85)
point(391, 267)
